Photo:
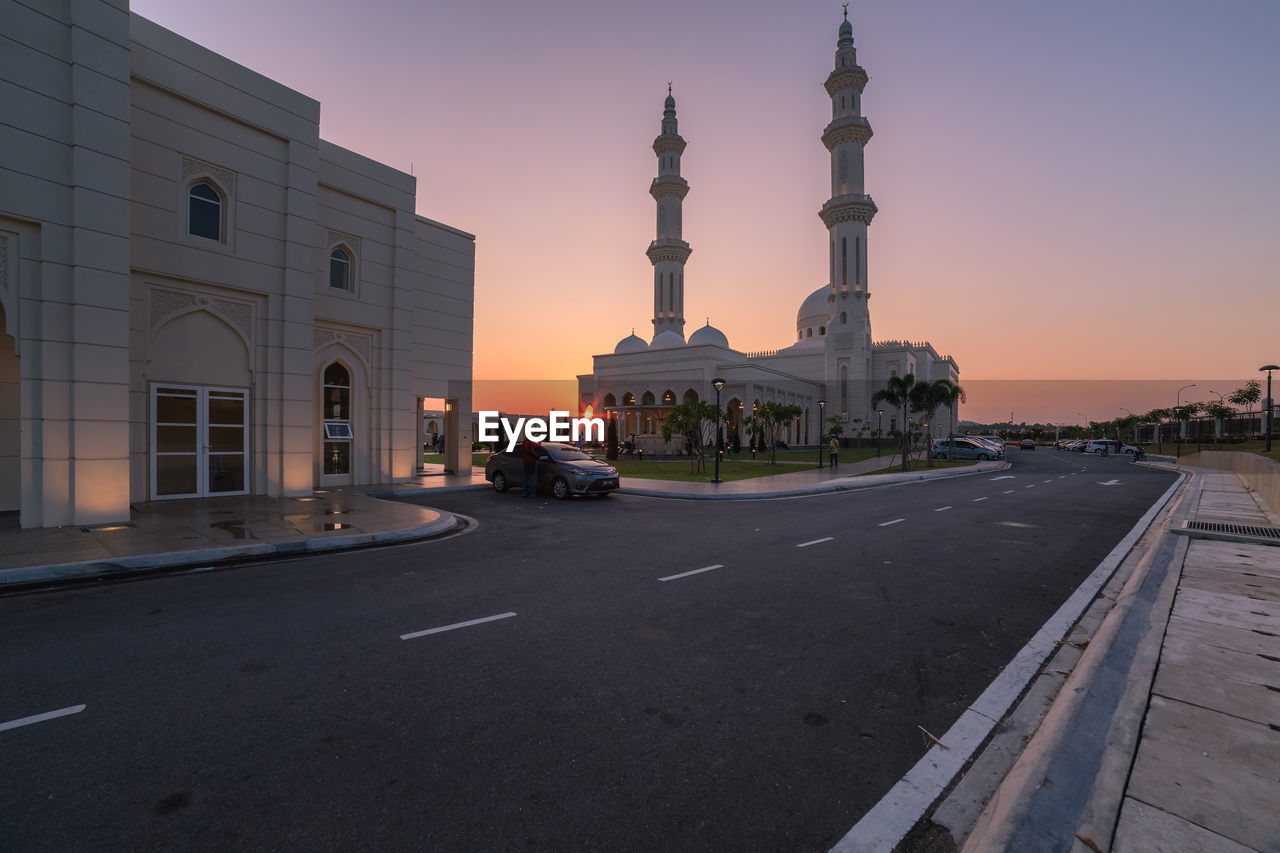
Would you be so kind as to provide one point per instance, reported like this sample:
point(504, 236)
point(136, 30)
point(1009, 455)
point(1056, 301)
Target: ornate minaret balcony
point(846, 129)
point(848, 208)
point(669, 185)
point(668, 250)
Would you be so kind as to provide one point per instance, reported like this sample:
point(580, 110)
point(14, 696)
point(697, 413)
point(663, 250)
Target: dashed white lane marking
point(975, 500)
point(40, 718)
point(694, 572)
point(941, 508)
point(815, 542)
point(887, 523)
point(1003, 477)
point(1031, 486)
point(1007, 492)
point(1050, 480)
point(456, 625)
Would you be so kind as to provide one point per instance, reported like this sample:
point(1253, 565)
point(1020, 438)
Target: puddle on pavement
point(235, 526)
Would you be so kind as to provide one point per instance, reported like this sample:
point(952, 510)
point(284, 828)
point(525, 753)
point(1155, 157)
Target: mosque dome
point(631, 343)
point(709, 334)
point(815, 310)
point(666, 339)
point(670, 103)
point(846, 28)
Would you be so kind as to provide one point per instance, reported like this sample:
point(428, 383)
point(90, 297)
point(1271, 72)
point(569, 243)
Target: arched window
point(809, 332)
point(822, 330)
point(844, 318)
point(844, 261)
point(843, 168)
point(204, 211)
point(340, 269)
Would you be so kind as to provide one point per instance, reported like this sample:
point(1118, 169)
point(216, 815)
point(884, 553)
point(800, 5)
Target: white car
point(1108, 446)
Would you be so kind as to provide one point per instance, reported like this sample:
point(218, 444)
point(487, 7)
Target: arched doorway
point(336, 458)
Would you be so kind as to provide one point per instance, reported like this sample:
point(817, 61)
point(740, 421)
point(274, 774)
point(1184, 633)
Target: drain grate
point(1235, 529)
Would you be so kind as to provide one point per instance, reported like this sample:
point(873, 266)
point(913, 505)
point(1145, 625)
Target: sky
point(1066, 191)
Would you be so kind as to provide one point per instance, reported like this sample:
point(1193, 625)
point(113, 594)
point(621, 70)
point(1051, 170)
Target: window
point(340, 269)
point(844, 261)
point(204, 211)
point(809, 333)
point(336, 415)
point(822, 330)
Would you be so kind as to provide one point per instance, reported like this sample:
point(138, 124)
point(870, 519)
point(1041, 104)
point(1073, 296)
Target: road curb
point(885, 826)
point(1070, 779)
point(135, 564)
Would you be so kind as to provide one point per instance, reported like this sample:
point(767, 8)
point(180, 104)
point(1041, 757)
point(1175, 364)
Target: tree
point(954, 395)
point(1246, 395)
point(1219, 412)
point(693, 421)
point(769, 420)
point(897, 393)
point(927, 398)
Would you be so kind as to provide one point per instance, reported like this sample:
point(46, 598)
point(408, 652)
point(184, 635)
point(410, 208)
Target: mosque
point(834, 357)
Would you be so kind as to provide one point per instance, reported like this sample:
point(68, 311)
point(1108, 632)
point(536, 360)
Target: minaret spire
point(668, 252)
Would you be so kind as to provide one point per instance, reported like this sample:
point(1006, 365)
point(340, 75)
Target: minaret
point(668, 252)
point(849, 210)
point(847, 214)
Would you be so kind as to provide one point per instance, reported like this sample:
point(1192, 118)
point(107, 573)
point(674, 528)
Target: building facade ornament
point(847, 129)
point(667, 250)
point(192, 167)
point(848, 209)
point(677, 187)
point(847, 77)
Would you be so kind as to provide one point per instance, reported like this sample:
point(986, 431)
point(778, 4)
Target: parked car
point(1102, 446)
point(563, 470)
point(963, 448)
point(1027, 444)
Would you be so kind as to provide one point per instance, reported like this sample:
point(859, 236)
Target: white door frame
point(202, 451)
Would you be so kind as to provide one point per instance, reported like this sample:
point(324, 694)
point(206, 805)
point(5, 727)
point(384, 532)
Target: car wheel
point(982, 457)
point(499, 481)
point(560, 488)
point(942, 456)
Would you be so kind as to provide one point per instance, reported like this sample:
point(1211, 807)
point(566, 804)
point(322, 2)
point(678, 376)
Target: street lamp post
point(1266, 417)
point(755, 429)
point(879, 431)
point(1176, 407)
point(1087, 430)
point(822, 408)
point(718, 384)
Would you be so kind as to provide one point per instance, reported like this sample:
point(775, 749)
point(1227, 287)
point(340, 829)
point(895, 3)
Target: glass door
point(199, 441)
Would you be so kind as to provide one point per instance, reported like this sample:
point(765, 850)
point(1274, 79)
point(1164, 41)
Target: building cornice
point(848, 208)
point(668, 250)
point(848, 77)
point(848, 129)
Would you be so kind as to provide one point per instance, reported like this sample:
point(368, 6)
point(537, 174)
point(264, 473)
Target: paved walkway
point(1166, 736)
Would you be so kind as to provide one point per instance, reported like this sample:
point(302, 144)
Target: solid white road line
point(815, 542)
point(40, 718)
point(694, 572)
point(887, 523)
point(975, 500)
point(941, 508)
point(456, 625)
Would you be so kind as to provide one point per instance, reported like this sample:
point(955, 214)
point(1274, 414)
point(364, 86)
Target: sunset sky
point(1081, 190)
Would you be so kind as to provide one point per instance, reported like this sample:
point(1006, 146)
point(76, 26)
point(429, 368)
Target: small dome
point(846, 28)
point(709, 334)
point(815, 310)
point(670, 103)
point(630, 343)
point(669, 338)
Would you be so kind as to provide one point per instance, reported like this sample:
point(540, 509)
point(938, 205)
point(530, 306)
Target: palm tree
point(897, 393)
point(927, 398)
point(943, 392)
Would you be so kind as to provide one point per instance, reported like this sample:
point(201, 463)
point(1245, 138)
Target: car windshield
point(566, 454)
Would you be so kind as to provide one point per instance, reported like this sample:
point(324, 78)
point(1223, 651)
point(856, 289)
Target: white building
point(833, 358)
point(199, 295)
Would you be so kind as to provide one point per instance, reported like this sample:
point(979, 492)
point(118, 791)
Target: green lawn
point(1258, 447)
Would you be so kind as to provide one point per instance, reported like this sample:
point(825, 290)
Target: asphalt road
point(764, 704)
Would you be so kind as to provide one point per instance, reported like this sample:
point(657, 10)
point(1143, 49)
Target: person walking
point(834, 448)
point(529, 453)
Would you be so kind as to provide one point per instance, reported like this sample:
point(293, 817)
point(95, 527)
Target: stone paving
point(1207, 772)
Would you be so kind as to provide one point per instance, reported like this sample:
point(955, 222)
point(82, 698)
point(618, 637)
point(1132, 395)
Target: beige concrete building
point(199, 296)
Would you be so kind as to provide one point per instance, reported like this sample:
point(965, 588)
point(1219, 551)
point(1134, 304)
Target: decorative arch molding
point(167, 305)
point(360, 344)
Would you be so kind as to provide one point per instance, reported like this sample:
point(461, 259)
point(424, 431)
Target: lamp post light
point(755, 430)
point(822, 408)
point(718, 384)
point(1266, 417)
point(1087, 430)
point(1176, 407)
point(879, 431)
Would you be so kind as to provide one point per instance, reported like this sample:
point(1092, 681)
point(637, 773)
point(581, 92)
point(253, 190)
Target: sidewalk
point(1165, 735)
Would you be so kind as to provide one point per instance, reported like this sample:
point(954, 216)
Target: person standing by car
point(529, 453)
point(834, 447)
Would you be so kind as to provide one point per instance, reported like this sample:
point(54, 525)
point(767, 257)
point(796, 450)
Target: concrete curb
point(142, 563)
point(1070, 780)
point(392, 494)
point(889, 821)
point(847, 484)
